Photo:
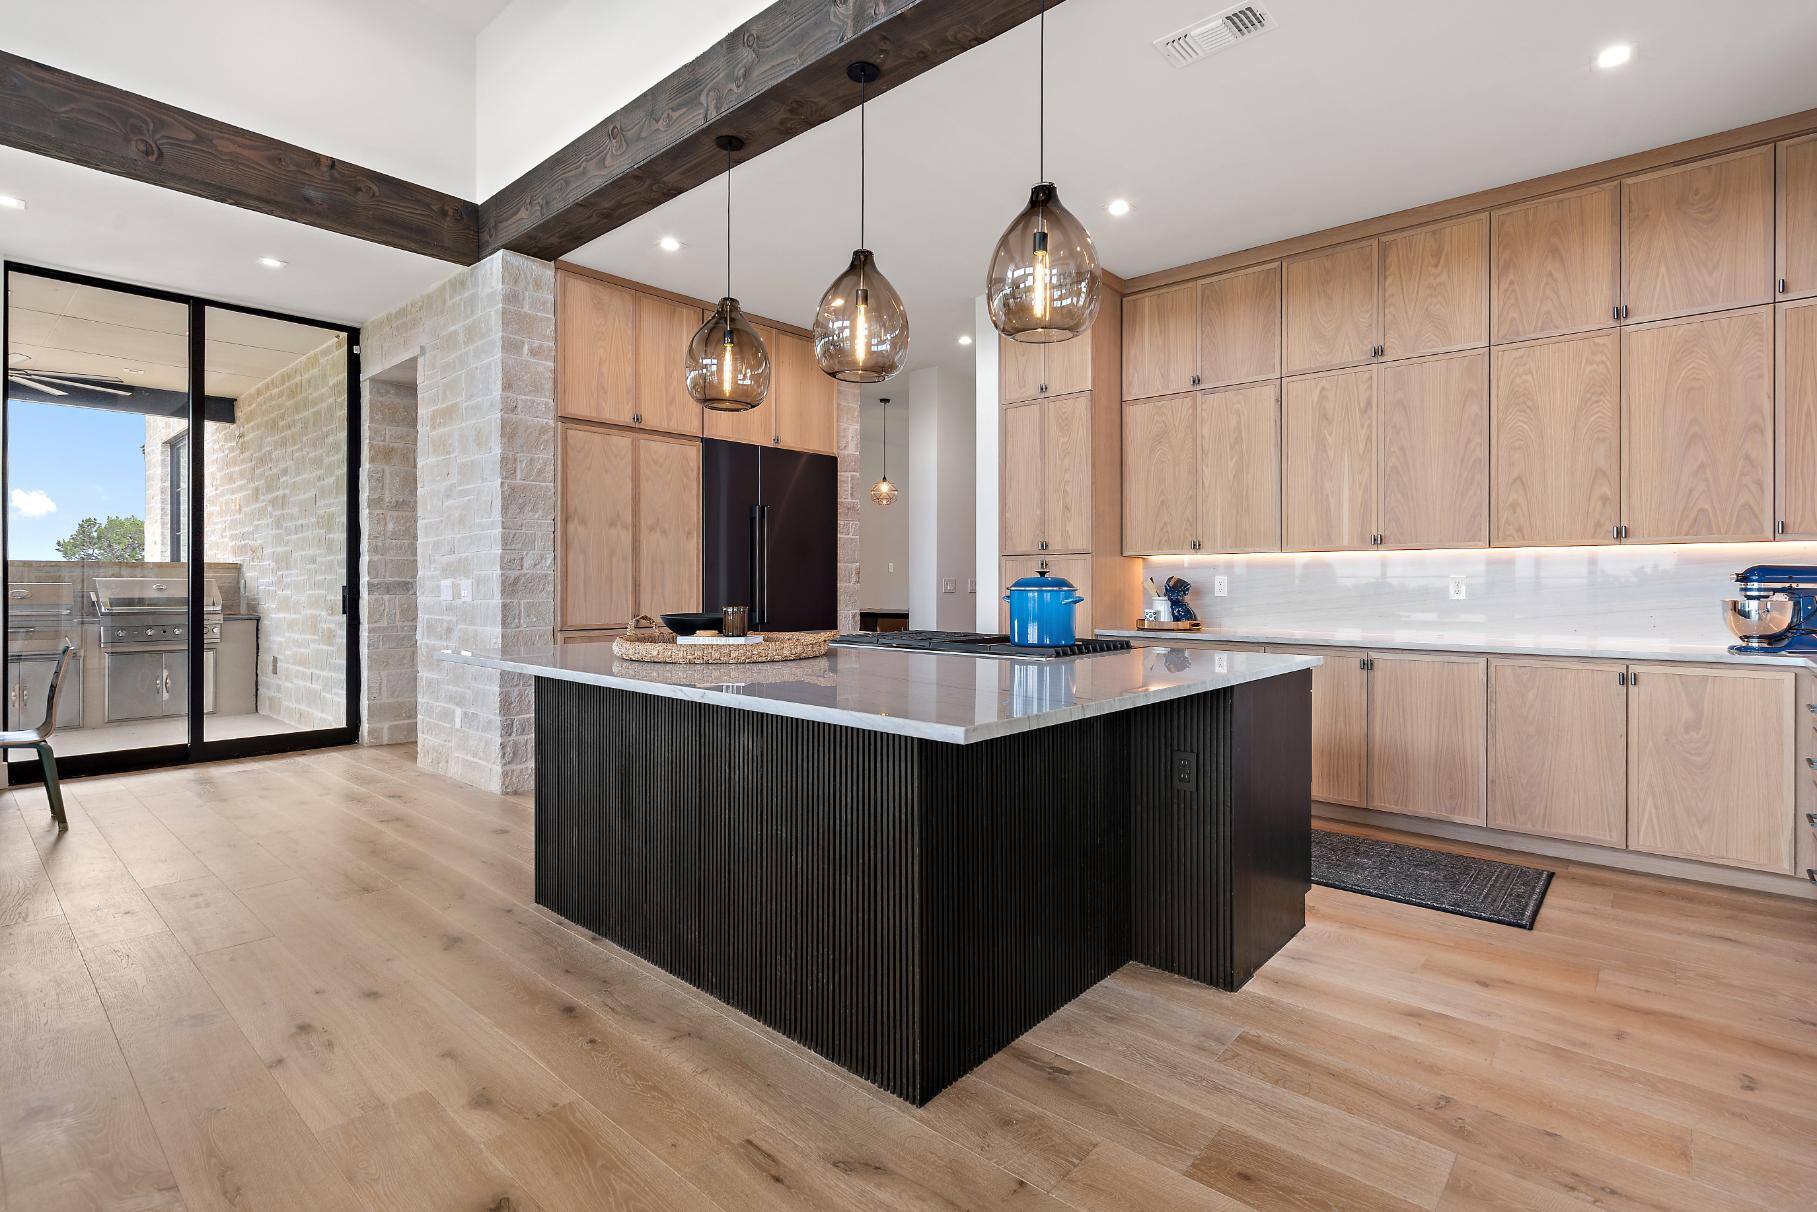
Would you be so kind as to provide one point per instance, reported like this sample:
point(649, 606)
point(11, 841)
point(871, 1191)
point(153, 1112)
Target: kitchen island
point(904, 860)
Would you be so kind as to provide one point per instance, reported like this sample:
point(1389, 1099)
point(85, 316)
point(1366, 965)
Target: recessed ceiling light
point(669, 244)
point(1614, 56)
point(1118, 207)
point(18, 357)
point(12, 203)
point(272, 263)
point(133, 370)
point(965, 339)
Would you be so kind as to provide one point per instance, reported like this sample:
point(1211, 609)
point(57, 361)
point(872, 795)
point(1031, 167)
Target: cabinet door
point(1066, 472)
point(1239, 469)
point(1797, 225)
point(1698, 237)
point(1330, 312)
point(1160, 475)
point(668, 526)
point(1328, 461)
point(1697, 421)
point(1160, 342)
point(1557, 265)
point(598, 518)
point(1427, 739)
point(1066, 365)
point(1797, 445)
point(1710, 765)
point(1435, 288)
point(1558, 750)
point(1340, 726)
point(663, 332)
point(755, 425)
point(1240, 326)
point(1024, 491)
point(807, 405)
point(1020, 367)
point(1435, 451)
point(1555, 414)
point(1076, 569)
point(596, 350)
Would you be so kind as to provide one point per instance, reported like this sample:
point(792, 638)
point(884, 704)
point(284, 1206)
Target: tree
point(117, 538)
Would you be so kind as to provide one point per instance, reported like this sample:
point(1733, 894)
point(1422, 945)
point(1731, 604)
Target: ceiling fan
point(43, 381)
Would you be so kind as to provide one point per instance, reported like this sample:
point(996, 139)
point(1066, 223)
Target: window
point(176, 481)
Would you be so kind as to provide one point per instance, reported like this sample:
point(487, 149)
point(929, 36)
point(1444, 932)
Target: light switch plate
point(1220, 587)
point(466, 591)
point(447, 591)
point(949, 585)
point(1460, 589)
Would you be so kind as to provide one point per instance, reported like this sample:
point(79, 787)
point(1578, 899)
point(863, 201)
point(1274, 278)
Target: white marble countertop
point(936, 697)
point(1600, 647)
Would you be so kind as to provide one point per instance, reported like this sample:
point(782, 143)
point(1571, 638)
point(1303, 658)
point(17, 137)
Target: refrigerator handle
point(756, 588)
point(764, 555)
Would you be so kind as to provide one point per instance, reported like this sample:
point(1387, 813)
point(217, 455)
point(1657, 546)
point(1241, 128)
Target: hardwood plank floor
point(317, 981)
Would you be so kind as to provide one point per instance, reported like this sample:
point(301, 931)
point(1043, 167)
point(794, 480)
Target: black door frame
point(198, 747)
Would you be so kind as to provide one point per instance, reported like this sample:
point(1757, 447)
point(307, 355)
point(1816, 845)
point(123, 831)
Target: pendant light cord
point(1042, 94)
point(861, 91)
point(728, 222)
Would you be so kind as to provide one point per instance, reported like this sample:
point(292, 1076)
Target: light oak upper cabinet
point(1711, 765)
point(1797, 225)
point(1427, 744)
point(1239, 461)
point(1059, 368)
point(1796, 448)
point(1698, 237)
point(1340, 726)
point(1328, 460)
point(1024, 492)
point(1160, 475)
point(596, 332)
point(1557, 265)
point(753, 425)
point(806, 400)
point(1435, 288)
point(1046, 484)
point(1697, 420)
point(1558, 750)
point(1555, 409)
point(1020, 370)
point(1160, 342)
point(668, 526)
point(1434, 426)
point(1239, 327)
point(1330, 312)
point(598, 517)
point(663, 332)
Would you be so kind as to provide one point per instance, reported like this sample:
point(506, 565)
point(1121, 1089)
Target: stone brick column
point(388, 563)
point(485, 504)
point(849, 488)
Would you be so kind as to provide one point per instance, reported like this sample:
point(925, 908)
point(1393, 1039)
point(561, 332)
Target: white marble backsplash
point(1611, 596)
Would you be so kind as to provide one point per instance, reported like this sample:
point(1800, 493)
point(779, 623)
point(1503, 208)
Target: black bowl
point(688, 623)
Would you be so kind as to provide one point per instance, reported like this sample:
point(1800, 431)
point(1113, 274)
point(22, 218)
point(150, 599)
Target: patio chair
point(39, 738)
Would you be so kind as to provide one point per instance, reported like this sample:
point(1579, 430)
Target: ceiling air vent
point(1205, 38)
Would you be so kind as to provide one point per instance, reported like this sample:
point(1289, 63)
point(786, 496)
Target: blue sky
point(83, 461)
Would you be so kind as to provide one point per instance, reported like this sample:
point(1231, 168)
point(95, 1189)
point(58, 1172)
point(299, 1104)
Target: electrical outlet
point(1185, 771)
point(971, 584)
point(1460, 589)
point(447, 591)
point(949, 585)
point(1220, 587)
point(1220, 662)
point(892, 566)
point(466, 591)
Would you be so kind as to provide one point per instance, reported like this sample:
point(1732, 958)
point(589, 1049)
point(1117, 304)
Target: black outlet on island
point(1185, 767)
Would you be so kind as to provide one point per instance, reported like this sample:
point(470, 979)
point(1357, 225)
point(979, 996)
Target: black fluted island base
point(907, 907)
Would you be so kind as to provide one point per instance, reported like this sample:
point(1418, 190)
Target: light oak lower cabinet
point(1796, 447)
point(1711, 765)
point(1558, 748)
point(1427, 717)
point(1340, 725)
point(668, 526)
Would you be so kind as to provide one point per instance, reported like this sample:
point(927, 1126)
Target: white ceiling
point(1344, 112)
point(469, 15)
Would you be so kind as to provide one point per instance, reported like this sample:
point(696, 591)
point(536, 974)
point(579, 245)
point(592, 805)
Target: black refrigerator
point(770, 534)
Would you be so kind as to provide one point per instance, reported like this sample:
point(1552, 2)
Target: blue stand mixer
point(1777, 610)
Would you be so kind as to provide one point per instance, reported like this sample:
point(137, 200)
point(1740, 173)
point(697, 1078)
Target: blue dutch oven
point(1041, 611)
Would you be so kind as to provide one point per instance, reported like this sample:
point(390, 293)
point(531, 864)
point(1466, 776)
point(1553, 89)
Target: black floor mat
point(1505, 893)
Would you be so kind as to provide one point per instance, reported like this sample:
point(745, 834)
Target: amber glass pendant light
point(728, 368)
point(861, 331)
point(1044, 282)
point(883, 492)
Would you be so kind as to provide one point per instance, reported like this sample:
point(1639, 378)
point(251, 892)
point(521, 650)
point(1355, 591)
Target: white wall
point(547, 70)
point(386, 84)
point(883, 580)
point(941, 496)
point(987, 438)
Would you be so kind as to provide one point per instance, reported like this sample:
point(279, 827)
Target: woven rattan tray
point(660, 647)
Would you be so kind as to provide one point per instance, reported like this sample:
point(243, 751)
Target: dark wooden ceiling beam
point(71, 118)
point(777, 75)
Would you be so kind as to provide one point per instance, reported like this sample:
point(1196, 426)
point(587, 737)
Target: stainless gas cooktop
point(974, 643)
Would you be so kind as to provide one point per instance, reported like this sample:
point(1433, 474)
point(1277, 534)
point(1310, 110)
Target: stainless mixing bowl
point(1758, 620)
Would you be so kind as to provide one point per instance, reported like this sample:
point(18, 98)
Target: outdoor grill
point(145, 643)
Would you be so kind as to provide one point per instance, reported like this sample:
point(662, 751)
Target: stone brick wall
point(277, 506)
point(849, 488)
point(388, 563)
point(484, 341)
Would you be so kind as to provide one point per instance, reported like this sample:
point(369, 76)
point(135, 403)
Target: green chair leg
point(48, 760)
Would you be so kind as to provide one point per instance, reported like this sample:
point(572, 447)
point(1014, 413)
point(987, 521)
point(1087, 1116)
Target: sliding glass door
point(203, 574)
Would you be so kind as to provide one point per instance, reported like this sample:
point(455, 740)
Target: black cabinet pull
point(1782, 286)
point(1624, 311)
